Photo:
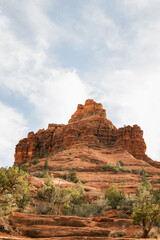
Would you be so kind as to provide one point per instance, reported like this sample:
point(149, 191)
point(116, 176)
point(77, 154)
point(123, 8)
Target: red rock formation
point(42, 226)
point(89, 126)
point(131, 138)
point(89, 109)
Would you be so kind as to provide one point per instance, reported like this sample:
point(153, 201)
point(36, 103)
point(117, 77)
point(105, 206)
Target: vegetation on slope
point(14, 189)
point(143, 207)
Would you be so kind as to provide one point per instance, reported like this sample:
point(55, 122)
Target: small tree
point(157, 195)
point(14, 189)
point(145, 209)
point(76, 199)
point(72, 176)
point(114, 196)
point(60, 198)
point(48, 192)
point(45, 165)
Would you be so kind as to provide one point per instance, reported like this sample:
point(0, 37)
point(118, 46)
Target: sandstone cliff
point(88, 125)
point(85, 145)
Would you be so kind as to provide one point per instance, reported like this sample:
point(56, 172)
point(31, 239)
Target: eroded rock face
point(131, 138)
point(91, 108)
point(41, 226)
point(88, 125)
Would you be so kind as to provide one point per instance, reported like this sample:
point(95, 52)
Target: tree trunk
point(145, 233)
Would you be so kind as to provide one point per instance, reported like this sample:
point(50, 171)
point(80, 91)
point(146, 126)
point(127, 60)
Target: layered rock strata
point(88, 125)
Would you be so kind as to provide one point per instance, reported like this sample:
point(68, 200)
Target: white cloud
point(59, 96)
point(138, 6)
point(129, 82)
point(26, 69)
point(46, 32)
point(135, 96)
point(100, 31)
point(124, 72)
point(13, 127)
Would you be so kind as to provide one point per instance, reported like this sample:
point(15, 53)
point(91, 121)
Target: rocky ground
point(89, 163)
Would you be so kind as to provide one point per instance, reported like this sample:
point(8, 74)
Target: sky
point(55, 54)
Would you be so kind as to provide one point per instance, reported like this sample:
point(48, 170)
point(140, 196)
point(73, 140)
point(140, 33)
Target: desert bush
point(90, 209)
point(142, 172)
point(48, 191)
point(46, 209)
point(23, 201)
point(119, 167)
point(42, 174)
point(14, 188)
point(100, 207)
point(45, 168)
point(120, 163)
point(109, 167)
point(60, 169)
point(115, 196)
point(154, 233)
point(127, 203)
point(23, 168)
point(65, 199)
point(76, 198)
point(157, 195)
point(44, 154)
point(35, 161)
point(145, 209)
point(117, 234)
point(71, 176)
point(83, 210)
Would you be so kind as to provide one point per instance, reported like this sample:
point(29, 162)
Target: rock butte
point(85, 144)
point(89, 126)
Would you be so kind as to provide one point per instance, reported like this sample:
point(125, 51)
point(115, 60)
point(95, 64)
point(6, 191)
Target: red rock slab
point(12, 237)
point(42, 231)
point(50, 220)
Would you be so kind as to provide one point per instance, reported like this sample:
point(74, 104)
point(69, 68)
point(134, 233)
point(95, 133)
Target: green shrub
point(157, 195)
point(71, 176)
point(64, 176)
point(48, 191)
point(45, 165)
point(23, 201)
point(117, 234)
point(89, 209)
point(24, 168)
point(42, 174)
point(127, 203)
point(46, 208)
point(58, 199)
point(145, 209)
point(44, 154)
point(120, 163)
point(116, 168)
point(154, 233)
point(142, 172)
point(34, 162)
point(60, 169)
point(76, 199)
point(115, 197)
point(109, 167)
point(14, 188)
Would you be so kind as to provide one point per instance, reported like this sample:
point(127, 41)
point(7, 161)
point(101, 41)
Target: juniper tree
point(14, 189)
